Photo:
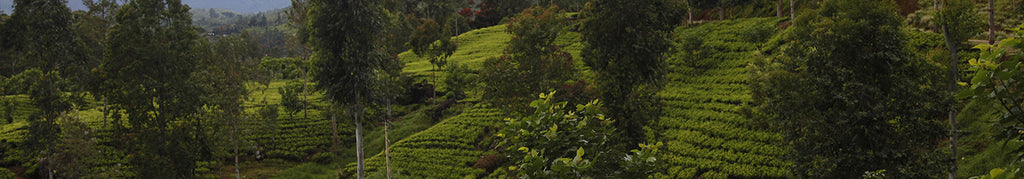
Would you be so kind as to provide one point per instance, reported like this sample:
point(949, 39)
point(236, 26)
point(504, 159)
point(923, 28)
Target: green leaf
point(965, 94)
point(981, 77)
point(982, 47)
point(579, 156)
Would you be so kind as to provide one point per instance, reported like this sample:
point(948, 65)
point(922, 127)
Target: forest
point(514, 89)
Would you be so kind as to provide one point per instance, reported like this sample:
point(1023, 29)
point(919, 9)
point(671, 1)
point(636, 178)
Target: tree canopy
point(147, 76)
point(625, 44)
point(848, 96)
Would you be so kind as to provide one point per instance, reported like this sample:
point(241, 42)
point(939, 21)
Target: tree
point(45, 40)
point(44, 48)
point(148, 77)
point(7, 37)
point(532, 63)
point(624, 45)
point(959, 22)
point(92, 28)
point(996, 80)
point(76, 154)
point(433, 41)
point(848, 97)
point(297, 16)
point(45, 94)
point(226, 67)
point(347, 42)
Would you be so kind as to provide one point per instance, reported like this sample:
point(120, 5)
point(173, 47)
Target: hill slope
point(703, 128)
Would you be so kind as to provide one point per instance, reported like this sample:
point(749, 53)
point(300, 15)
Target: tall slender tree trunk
point(334, 129)
point(778, 9)
point(387, 142)
point(305, 96)
point(953, 75)
point(792, 9)
point(991, 22)
point(359, 148)
point(234, 136)
point(105, 112)
point(953, 62)
point(689, 12)
point(361, 166)
point(721, 11)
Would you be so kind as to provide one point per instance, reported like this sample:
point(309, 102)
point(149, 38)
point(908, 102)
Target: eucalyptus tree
point(349, 55)
point(147, 75)
point(959, 23)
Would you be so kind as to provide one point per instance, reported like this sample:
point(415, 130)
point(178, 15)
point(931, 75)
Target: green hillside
point(703, 127)
point(474, 47)
point(706, 124)
point(447, 150)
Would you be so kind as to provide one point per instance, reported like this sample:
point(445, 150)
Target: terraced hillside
point(703, 128)
point(447, 150)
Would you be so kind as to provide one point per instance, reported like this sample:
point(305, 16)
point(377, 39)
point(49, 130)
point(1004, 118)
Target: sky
point(241, 6)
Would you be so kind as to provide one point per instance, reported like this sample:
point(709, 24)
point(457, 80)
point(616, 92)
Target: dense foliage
point(997, 79)
point(148, 79)
point(625, 45)
point(532, 63)
point(848, 96)
point(553, 141)
point(154, 89)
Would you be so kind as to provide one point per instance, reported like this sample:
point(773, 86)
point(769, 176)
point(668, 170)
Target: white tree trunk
point(359, 148)
point(953, 75)
point(792, 9)
point(234, 136)
point(361, 166)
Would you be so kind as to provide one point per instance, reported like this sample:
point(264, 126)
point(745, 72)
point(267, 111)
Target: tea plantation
point(703, 127)
point(447, 150)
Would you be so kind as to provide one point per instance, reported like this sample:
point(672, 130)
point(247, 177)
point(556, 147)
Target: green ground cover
point(703, 127)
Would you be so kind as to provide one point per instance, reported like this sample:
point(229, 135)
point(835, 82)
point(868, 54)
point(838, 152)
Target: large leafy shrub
point(555, 142)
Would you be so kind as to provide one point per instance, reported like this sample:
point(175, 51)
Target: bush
point(284, 68)
point(7, 109)
point(532, 63)
point(460, 79)
point(323, 157)
point(552, 135)
point(291, 97)
point(554, 143)
point(6, 174)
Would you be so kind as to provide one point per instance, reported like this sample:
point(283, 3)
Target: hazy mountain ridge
point(240, 6)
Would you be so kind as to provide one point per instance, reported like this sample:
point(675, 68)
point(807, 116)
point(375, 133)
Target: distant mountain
point(240, 6)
